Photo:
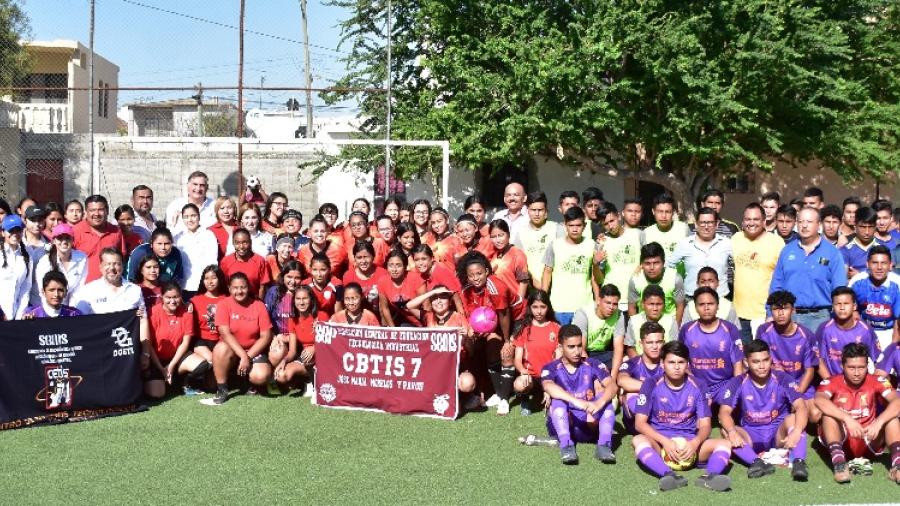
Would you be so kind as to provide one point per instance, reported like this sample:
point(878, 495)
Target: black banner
point(54, 370)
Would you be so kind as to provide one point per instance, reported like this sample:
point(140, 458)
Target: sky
point(157, 48)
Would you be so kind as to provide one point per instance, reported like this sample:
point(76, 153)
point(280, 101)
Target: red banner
point(397, 370)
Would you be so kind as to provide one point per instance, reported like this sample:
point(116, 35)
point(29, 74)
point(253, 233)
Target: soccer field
point(256, 450)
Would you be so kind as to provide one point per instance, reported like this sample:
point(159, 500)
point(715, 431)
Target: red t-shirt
point(223, 236)
point(381, 248)
point(440, 275)
point(511, 268)
point(335, 253)
point(328, 296)
point(246, 323)
point(368, 318)
point(152, 295)
point(861, 403)
point(303, 328)
point(256, 269)
point(91, 243)
point(205, 316)
point(398, 296)
point(168, 331)
point(493, 294)
point(369, 286)
point(540, 345)
point(132, 241)
point(447, 250)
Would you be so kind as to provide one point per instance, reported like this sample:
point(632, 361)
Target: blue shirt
point(856, 255)
point(879, 306)
point(891, 243)
point(170, 268)
point(811, 278)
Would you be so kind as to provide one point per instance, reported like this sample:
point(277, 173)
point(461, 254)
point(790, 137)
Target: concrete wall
point(12, 164)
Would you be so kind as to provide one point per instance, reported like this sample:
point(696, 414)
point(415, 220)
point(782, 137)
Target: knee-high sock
point(652, 461)
point(719, 459)
point(606, 425)
point(200, 370)
point(559, 417)
point(744, 454)
point(494, 374)
point(799, 451)
point(507, 375)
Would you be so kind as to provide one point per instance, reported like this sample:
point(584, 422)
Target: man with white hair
point(515, 215)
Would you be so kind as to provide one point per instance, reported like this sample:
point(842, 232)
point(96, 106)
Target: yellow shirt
point(754, 263)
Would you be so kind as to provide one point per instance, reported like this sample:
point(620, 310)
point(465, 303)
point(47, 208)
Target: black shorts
point(153, 374)
point(205, 343)
point(262, 358)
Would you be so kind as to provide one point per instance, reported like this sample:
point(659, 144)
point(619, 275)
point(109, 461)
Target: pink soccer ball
point(483, 320)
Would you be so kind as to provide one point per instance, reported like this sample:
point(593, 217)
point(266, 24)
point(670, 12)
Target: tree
point(220, 124)
point(14, 61)
point(680, 93)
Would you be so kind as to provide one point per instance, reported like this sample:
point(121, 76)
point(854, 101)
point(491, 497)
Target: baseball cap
point(34, 213)
point(11, 221)
point(62, 229)
point(284, 239)
point(292, 214)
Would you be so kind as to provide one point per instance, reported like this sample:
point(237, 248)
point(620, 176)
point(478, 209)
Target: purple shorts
point(764, 437)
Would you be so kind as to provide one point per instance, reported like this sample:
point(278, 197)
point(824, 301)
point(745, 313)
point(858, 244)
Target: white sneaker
point(503, 407)
point(310, 390)
point(472, 403)
point(493, 402)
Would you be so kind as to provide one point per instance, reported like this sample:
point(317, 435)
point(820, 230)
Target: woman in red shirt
point(470, 236)
point(421, 214)
point(509, 264)
point(327, 289)
point(319, 244)
point(171, 331)
point(444, 244)
point(395, 290)
point(147, 277)
point(433, 274)
point(124, 216)
point(474, 206)
point(407, 241)
point(248, 263)
point(482, 289)
point(536, 346)
point(354, 312)
point(226, 222)
point(213, 289)
point(365, 273)
point(245, 332)
point(301, 351)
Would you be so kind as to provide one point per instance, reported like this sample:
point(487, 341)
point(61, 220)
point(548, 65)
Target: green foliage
point(14, 61)
point(219, 124)
point(679, 92)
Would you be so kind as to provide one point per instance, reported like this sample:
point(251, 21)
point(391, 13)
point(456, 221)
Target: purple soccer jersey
point(673, 412)
point(791, 354)
point(637, 369)
point(767, 406)
point(890, 361)
point(832, 339)
point(580, 383)
point(713, 354)
point(38, 311)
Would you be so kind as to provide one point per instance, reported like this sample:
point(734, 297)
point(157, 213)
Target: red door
point(44, 180)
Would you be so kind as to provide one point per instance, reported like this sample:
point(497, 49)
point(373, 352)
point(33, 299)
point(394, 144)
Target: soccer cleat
point(717, 482)
point(221, 397)
point(309, 390)
point(525, 410)
point(493, 401)
point(568, 455)
point(671, 481)
point(799, 471)
point(272, 389)
point(525, 405)
point(472, 403)
point(604, 454)
point(841, 473)
point(895, 474)
point(503, 407)
point(190, 392)
point(758, 469)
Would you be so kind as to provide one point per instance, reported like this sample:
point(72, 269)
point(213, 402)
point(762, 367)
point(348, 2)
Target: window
point(44, 96)
point(106, 101)
point(100, 99)
point(739, 183)
point(493, 182)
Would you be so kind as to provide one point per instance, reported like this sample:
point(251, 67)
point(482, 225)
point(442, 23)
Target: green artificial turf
point(257, 450)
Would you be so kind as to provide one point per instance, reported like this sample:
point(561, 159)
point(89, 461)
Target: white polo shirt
point(100, 297)
point(173, 213)
point(198, 250)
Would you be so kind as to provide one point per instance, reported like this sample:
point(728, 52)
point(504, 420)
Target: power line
point(226, 25)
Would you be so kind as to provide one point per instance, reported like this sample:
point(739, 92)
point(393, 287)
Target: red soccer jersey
point(368, 285)
point(862, 402)
point(168, 331)
point(255, 267)
point(511, 267)
point(446, 250)
point(246, 323)
point(440, 275)
point(328, 296)
point(335, 253)
point(132, 241)
point(304, 328)
point(493, 294)
point(539, 344)
point(205, 316)
point(367, 319)
point(381, 248)
point(398, 296)
point(91, 243)
point(152, 295)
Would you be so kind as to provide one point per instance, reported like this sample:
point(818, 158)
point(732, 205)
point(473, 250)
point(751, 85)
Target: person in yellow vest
point(654, 272)
point(707, 276)
point(536, 235)
point(603, 326)
point(619, 252)
point(652, 304)
point(569, 265)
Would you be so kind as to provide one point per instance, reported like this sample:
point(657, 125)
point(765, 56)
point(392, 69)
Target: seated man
point(580, 391)
point(672, 418)
point(851, 425)
point(764, 399)
point(636, 370)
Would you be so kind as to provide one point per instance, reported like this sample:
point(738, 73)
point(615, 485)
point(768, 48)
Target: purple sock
point(799, 451)
point(606, 425)
point(719, 459)
point(744, 454)
point(652, 461)
point(559, 417)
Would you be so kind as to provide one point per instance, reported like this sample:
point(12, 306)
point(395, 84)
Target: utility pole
point(309, 107)
point(262, 82)
point(387, 146)
point(95, 179)
point(240, 103)
point(201, 131)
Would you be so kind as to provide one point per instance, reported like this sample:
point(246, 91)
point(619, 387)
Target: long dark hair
point(272, 197)
point(290, 265)
point(536, 296)
point(138, 275)
point(403, 228)
point(471, 258)
point(313, 303)
point(22, 251)
point(221, 287)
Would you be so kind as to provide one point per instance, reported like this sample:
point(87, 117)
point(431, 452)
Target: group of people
point(784, 321)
